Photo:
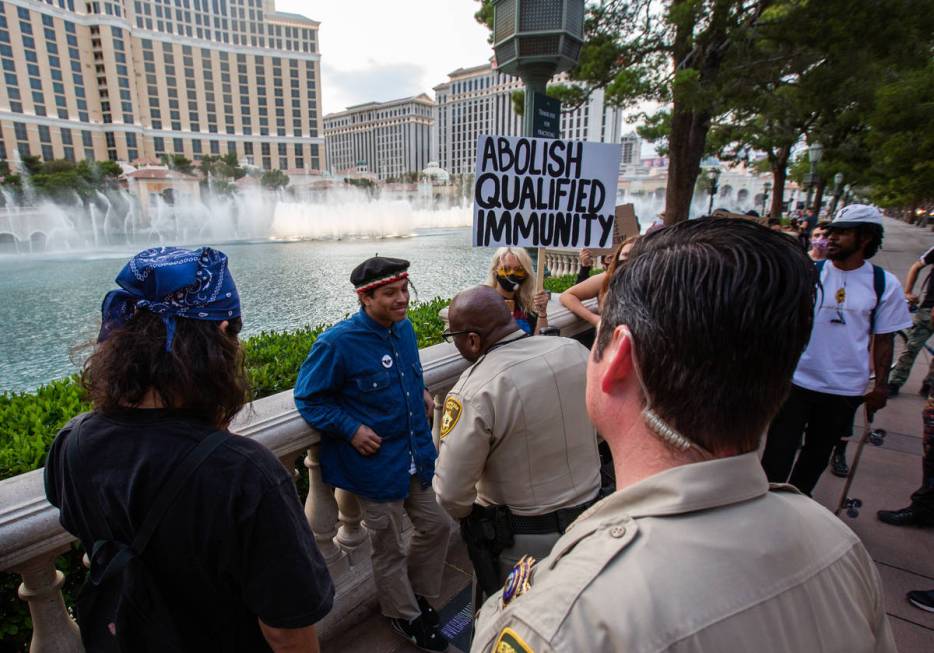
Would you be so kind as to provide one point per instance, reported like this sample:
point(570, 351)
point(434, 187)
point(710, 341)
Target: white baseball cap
point(854, 215)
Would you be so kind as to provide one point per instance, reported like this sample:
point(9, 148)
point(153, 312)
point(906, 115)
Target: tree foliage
point(274, 179)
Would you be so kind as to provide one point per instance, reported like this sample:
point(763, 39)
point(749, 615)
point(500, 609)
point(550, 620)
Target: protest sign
point(536, 192)
point(625, 225)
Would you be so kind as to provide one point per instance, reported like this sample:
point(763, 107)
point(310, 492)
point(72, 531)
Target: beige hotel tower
point(132, 80)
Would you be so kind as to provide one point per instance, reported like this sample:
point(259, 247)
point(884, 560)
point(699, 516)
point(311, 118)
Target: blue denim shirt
point(360, 372)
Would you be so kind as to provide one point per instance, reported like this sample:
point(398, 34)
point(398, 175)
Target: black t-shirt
point(234, 546)
point(927, 287)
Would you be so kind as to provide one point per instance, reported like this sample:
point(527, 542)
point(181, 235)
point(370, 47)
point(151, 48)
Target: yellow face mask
point(517, 273)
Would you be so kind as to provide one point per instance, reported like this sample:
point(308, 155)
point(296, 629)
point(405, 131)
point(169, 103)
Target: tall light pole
point(837, 189)
point(713, 185)
point(534, 40)
point(766, 187)
point(815, 152)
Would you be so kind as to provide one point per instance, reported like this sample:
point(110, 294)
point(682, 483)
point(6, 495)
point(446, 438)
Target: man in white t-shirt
point(855, 300)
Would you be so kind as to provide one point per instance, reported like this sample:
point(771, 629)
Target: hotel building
point(478, 101)
point(387, 139)
point(134, 80)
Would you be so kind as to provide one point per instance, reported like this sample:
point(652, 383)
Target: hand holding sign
point(536, 192)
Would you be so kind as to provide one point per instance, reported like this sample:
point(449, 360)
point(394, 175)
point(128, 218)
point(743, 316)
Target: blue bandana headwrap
point(172, 282)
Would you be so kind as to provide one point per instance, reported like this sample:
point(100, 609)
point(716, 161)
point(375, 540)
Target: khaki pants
point(399, 577)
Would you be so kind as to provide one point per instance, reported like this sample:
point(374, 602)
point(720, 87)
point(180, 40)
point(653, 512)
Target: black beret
point(378, 271)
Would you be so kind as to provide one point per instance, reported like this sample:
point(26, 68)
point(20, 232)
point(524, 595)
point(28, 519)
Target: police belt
point(552, 522)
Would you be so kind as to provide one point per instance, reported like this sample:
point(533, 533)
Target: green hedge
point(29, 422)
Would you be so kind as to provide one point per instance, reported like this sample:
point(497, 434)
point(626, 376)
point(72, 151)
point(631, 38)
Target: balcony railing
point(31, 537)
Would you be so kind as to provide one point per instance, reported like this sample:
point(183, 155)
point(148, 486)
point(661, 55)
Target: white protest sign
point(539, 192)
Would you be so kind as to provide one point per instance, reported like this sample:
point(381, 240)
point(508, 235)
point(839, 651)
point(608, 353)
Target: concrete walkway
point(887, 476)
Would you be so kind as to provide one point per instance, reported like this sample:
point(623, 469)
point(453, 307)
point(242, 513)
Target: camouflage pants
point(918, 334)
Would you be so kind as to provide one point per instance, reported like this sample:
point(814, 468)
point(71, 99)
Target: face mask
point(819, 244)
point(509, 282)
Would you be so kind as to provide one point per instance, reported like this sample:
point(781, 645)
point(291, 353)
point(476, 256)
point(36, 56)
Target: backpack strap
point(173, 486)
point(167, 495)
point(878, 284)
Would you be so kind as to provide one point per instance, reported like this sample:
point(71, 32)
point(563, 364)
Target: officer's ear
point(618, 360)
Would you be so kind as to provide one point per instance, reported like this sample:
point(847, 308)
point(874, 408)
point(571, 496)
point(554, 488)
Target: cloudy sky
point(377, 50)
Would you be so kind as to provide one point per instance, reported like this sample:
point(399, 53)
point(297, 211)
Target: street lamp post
point(713, 185)
point(766, 187)
point(535, 40)
point(837, 189)
point(815, 152)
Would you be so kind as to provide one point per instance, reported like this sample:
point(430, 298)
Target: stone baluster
point(352, 537)
point(322, 514)
point(53, 630)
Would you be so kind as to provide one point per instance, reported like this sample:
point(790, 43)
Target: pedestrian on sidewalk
point(518, 457)
point(859, 304)
point(818, 250)
point(362, 388)
point(695, 551)
point(594, 287)
point(921, 510)
point(921, 328)
point(513, 278)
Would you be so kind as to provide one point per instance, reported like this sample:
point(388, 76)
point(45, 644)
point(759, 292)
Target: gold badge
point(518, 582)
point(510, 642)
point(452, 413)
point(841, 295)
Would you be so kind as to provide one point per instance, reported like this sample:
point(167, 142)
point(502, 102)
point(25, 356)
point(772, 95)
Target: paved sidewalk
point(887, 476)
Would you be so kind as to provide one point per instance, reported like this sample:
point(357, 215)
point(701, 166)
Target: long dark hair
point(202, 377)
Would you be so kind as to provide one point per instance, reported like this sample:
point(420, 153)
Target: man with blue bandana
point(211, 520)
point(362, 388)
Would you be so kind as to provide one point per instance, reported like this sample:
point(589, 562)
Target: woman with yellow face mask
point(512, 277)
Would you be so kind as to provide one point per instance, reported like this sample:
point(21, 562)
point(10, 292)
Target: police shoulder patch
point(509, 641)
point(452, 413)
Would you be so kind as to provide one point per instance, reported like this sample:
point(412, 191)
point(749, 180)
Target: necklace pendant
point(841, 295)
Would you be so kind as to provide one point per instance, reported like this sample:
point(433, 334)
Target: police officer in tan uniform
point(516, 443)
point(699, 336)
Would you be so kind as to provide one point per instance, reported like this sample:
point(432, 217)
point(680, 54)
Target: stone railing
point(31, 537)
point(564, 262)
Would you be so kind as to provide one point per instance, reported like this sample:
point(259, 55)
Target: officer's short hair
point(719, 311)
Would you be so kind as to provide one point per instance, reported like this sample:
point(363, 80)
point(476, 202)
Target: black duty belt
point(552, 522)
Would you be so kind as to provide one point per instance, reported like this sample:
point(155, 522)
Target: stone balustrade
point(31, 537)
point(564, 262)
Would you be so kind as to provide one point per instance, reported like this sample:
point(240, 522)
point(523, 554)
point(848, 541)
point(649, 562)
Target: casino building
point(387, 139)
point(133, 80)
point(478, 101)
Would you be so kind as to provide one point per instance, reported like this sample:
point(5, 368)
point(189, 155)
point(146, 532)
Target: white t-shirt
point(837, 357)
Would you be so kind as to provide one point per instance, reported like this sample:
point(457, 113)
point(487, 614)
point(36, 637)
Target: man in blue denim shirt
point(362, 388)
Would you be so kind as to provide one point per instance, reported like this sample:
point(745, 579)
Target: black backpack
point(120, 609)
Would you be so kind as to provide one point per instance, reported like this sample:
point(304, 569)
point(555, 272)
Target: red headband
point(377, 283)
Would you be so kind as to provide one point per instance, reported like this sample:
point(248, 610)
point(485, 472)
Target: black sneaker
point(838, 466)
point(922, 599)
point(420, 634)
point(905, 517)
point(893, 389)
point(429, 614)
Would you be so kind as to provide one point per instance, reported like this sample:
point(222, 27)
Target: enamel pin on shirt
point(387, 361)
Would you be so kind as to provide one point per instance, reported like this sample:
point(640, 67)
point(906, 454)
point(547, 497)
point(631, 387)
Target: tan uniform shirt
point(699, 558)
point(515, 430)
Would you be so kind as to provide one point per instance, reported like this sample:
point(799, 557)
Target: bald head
point(482, 312)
